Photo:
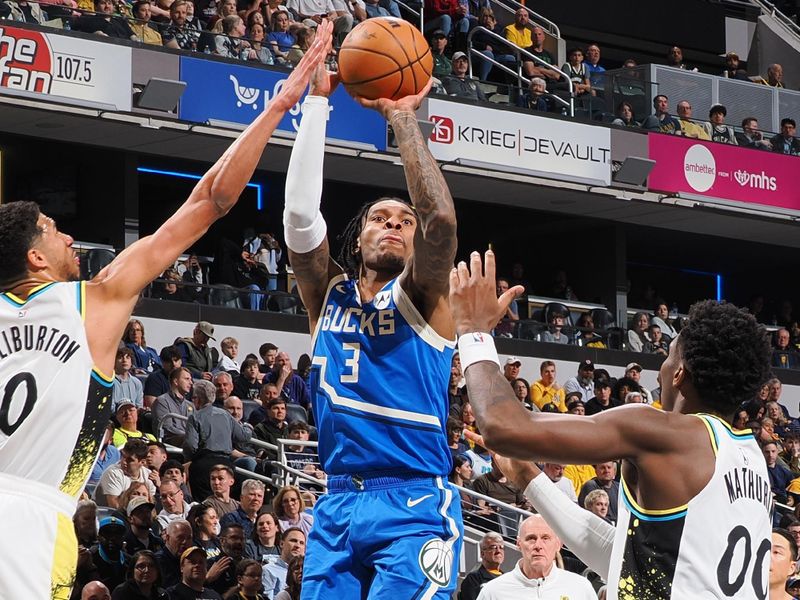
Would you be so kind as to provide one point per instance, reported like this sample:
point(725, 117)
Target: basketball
point(385, 57)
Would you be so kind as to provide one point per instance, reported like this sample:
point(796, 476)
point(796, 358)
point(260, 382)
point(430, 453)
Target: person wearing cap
point(173, 403)
point(459, 84)
point(716, 128)
point(196, 354)
point(109, 560)
point(733, 69)
point(140, 535)
point(583, 382)
point(689, 128)
point(127, 415)
point(125, 384)
point(546, 390)
point(602, 399)
point(193, 577)
point(511, 368)
point(634, 371)
point(441, 64)
point(118, 478)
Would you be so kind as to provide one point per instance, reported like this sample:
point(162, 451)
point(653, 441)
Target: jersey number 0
point(8, 395)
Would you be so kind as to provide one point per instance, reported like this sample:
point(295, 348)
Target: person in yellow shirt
point(546, 390)
point(519, 32)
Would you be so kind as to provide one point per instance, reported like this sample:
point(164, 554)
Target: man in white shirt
point(175, 507)
point(118, 478)
point(536, 574)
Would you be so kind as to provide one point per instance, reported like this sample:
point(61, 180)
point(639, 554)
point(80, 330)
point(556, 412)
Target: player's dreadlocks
point(350, 256)
point(18, 233)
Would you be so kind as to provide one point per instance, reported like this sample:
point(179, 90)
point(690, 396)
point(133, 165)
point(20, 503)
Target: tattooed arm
point(425, 276)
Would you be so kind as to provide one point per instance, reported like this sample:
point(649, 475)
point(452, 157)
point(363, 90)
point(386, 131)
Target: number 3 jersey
point(379, 377)
point(54, 405)
point(716, 546)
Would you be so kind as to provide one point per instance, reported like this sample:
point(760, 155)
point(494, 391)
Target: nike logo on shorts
point(412, 503)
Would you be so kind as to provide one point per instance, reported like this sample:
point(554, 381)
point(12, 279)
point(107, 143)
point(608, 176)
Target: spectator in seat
point(637, 336)
point(785, 142)
point(125, 385)
point(656, 344)
point(229, 347)
point(586, 335)
point(94, 590)
point(305, 37)
point(259, 45)
point(662, 121)
point(519, 32)
point(603, 399)
point(173, 402)
point(156, 456)
point(291, 385)
point(537, 99)
point(143, 579)
point(119, 477)
point(210, 436)
point(554, 332)
point(716, 128)
point(662, 319)
point(167, 288)
point(447, 15)
point(779, 476)
point(104, 22)
point(157, 382)
point(177, 538)
point(493, 553)
point(784, 355)
point(23, 11)
point(505, 327)
point(675, 59)
point(733, 69)
point(594, 68)
point(490, 46)
point(688, 127)
point(249, 383)
point(522, 390)
point(109, 562)
point(547, 390)
point(175, 505)
point(192, 272)
point(196, 355)
point(442, 67)
point(605, 479)
point(374, 9)
point(511, 368)
point(583, 382)
point(774, 76)
point(243, 454)
point(537, 569)
point(223, 382)
point(268, 353)
point(294, 579)
point(455, 429)
point(575, 405)
point(128, 418)
point(222, 569)
point(177, 35)
point(783, 564)
point(290, 508)
point(625, 116)
point(459, 84)
point(555, 472)
point(230, 44)
point(597, 502)
point(577, 72)
point(145, 358)
point(84, 522)
point(266, 539)
point(142, 27)
point(275, 572)
point(281, 39)
point(251, 501)
point(193, 577)
point(140, 522)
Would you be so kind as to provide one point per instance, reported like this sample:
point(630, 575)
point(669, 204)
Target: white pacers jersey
point(716, 546)
point(54, 406)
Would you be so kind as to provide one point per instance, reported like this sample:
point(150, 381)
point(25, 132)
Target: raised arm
point(114, 292)
point(425, 277)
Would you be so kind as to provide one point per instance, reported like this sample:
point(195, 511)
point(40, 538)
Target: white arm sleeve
point(588, 536)
point(303, 226)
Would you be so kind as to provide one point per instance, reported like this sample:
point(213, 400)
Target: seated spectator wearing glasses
point(459, 84)
point(716, 128)
point(784, 356)
point(785, 142)
point(127, 416)
point(490, 46)
point(290, 508)
point(536, 98)
point(688, 127)
point(493, 553)
point(142, 27)
point(177, 35)
point(175, 505)
point(625, 116)
point(104, 22)
point(662, 121)
point(143, 580)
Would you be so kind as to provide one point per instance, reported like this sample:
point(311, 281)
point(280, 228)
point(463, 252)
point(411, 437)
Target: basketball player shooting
point(383, 340)
point(58, 340)
point(695, 501)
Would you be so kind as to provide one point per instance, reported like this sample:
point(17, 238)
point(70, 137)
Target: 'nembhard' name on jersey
point(40, 338)
point(352, 319)
point(745, 483)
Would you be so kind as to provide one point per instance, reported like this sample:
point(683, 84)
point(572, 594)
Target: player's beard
point(389, 263)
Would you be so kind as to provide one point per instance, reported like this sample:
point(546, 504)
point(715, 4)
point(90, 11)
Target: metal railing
point(785, 21)
point(519, 52)
point(538, 19)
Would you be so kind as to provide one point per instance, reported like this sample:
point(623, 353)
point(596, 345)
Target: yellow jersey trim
point(656, 513)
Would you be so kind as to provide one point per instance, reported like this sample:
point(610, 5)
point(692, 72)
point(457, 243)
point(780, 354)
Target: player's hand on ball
point(296, 84)
point(388, 108)
point(323, 82)
point(473, 296)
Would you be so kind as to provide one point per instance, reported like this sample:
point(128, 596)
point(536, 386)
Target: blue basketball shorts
point(384, 538)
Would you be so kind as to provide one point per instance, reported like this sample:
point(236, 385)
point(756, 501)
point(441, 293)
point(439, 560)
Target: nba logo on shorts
point(442, 129)
point(436, 561)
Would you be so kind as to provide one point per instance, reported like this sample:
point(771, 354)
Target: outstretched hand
point(473, 295)
point(323, 82)
point(519, 472)
point(388, 108)
point(296, 84)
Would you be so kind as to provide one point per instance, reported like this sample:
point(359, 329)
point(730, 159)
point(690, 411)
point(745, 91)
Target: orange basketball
point(385, 57)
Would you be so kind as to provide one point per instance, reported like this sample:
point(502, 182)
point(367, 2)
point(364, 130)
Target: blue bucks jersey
point(380, 376)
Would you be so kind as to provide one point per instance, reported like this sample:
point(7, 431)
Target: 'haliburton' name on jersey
point(745, 483)
point(353, 319)
point(40, 338)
